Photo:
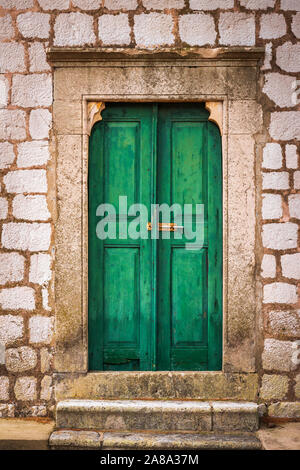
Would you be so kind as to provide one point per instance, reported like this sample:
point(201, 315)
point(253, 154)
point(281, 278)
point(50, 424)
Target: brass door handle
point(165, 227)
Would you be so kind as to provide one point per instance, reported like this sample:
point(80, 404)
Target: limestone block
point(197, 29)
point(281, 236)
point(211, 4)
point(15, 298)
point(33, 153)
point(12, 124)
point(37, 58)
point(7, 155)
point(153, 29)
point(271, 206)
point(114, 29)
point(237, 29)
point(20, 359)
point(41, 329)
point(274, 387)
point(288, 57)
point(294, 205)
point(32, 90)
point(40, 121)
point(34, 25)
point(25, 236)
point(25, 388)
point(11, 328)
point(291, 156)
point(40, 268)
point(26, 181)
point(291, 265)
point(284, 410)
point(4, 388)
point(12, 57)
point(233, 416)
point(73, 29)
point(276, 180)
point(272, 26)
point(268, 266)
point(3, 208)
point(272, 156)
point(6, 27)
point(279, 88)
point(280, 292)
point(285, 324)
point(11, 267)
point(277, 355)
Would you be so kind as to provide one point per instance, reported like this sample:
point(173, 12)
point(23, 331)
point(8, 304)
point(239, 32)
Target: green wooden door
point(153, 303)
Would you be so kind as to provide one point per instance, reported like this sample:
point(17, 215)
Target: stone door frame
point(227, 77)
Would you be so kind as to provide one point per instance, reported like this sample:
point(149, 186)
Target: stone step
point(157, 415)
point(70, 439)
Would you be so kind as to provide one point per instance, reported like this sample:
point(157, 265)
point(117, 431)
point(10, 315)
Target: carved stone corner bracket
point(216, 113)
point(95, 109)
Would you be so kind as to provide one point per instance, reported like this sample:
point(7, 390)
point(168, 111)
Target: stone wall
point(27, 202)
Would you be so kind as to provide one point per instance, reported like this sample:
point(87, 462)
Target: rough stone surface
point(278, 88)
point(23, 236)
point(228, 416)
point(237, 29)
point(277, 355)
point(12, 57)
point(46, 388)
point(20, 359)
point(272, 26)
point(34, 153)
point(73, 29)
point(25, 388)
point(32, 90)
point(272, 156)
point(290, 5)
point(40, 329)
point(278, 180)
point(158, 385)
point(114, 29)
point(297, 386)
point(284, 324)
point(280, 292)
point(54, 4)
point(211, 4)
point(296, 25)
point(294, 205)
point(268, 266)
point(87, 4)
point(4, 89)
point(280, 236)
point(40, 268)
point(40, 121)
point(15, 298)
point(7, 411)
point(288, 57)
point(125, 415)
point(75, 439)
point(197, 29)
point(257, 4)
point(26, 181)
point(18, 4)
point(4, 388)
point(6, 27)
point(120, 4)
point(46, 358)
point(297, 180)
point(271, 206)
point(291, 265)
point(12, 124)
point(274, 387)
point(7, 155)
point(11, 267)
point(37, 58)
point(291, 156)
point(11, 329)
point(3, 208)
point(285, 410)
point(30, 207)
point(285, 125)
point(163, 4)
point(34, 25)
point(153, 29)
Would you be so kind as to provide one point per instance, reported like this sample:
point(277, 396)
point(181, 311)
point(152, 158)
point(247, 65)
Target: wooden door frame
point(229, 77)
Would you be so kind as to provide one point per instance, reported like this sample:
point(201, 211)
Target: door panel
point(120, 282)
point(154, 304)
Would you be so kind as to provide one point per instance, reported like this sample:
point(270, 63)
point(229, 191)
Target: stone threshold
point(207, 386)
point(80, 440)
